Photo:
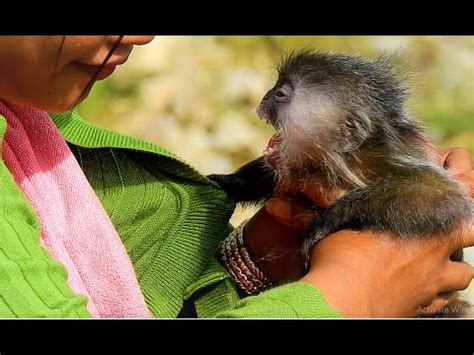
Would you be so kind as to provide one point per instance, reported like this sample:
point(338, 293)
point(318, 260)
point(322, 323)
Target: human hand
point(366, 274)
point(288, 217)
point(458, 162)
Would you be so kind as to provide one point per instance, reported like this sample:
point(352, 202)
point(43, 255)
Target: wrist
point(274, 247)
point(237, 261)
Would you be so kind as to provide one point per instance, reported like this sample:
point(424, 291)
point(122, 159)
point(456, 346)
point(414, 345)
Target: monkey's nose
point(266, 97)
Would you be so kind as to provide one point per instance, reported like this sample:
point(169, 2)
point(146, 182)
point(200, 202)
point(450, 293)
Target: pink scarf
point(75, 227)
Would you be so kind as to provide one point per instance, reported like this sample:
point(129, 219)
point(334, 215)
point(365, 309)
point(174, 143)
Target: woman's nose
point(134, 40)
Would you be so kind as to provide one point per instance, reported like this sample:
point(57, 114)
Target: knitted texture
point(214, 292)
point(32, 284)
point(171, 220)
point(75, 227)
point(170, 217)
point(215, 295)
point(294, 300)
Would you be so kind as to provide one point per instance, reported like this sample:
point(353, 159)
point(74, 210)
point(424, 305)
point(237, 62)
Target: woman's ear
point(355, 129)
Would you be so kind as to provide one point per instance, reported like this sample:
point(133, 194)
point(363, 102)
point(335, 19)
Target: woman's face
point(51, 72)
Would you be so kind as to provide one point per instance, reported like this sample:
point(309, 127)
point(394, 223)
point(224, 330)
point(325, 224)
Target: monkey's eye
point(282, 94)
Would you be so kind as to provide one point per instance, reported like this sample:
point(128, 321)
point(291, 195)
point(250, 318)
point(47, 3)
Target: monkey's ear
point(355, 129)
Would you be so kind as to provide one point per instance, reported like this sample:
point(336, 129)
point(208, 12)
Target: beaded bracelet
point(238, 263)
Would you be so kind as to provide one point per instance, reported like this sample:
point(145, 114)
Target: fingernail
point(279, 208)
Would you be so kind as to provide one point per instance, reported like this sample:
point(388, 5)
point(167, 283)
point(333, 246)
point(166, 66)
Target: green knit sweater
point(170, 218)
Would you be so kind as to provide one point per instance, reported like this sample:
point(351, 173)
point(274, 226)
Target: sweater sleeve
point(215, 296)
point(293, 300)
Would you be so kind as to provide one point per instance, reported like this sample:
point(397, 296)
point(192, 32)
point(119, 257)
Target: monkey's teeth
point(268, 151)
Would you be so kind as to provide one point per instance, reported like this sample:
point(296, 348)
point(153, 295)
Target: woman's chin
point(66, 103)
point(57, 106)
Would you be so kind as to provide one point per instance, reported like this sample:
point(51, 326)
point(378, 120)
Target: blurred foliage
point(196, 96)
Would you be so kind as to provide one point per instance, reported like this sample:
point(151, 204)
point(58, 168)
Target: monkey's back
point(414, 199)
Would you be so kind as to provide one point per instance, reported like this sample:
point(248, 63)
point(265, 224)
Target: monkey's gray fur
point(343, 125)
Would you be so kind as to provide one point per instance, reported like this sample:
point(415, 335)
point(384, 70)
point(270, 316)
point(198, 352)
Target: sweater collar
point(77, 131)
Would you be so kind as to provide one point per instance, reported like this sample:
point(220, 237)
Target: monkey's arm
point(416, 203)
point(253, 182)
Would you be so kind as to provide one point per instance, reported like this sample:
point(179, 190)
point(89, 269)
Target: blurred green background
point(196, 96)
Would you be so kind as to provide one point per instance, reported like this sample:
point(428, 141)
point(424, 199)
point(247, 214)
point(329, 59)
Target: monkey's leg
point(253, 182)
point(417, 203)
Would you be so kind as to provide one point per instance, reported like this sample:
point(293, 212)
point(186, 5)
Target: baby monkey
point(342, 125)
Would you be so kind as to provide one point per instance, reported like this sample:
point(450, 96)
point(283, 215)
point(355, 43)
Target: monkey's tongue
point(271, 146)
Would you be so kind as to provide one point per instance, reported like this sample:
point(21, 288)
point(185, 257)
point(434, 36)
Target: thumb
point(456, 160)
point(289, 212)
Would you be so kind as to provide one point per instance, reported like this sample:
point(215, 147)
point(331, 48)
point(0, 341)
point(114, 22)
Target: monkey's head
point(326, 107)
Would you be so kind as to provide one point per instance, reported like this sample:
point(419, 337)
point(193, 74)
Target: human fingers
point(438, 305)
point(456, 277)
point(456, 160)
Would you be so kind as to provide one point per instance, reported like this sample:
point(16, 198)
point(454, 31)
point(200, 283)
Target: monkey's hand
point(254, 182)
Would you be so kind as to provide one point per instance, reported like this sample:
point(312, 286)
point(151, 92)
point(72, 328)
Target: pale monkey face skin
point(306, 120)
point(324, 108)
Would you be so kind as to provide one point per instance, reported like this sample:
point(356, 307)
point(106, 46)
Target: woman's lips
point(106, 70)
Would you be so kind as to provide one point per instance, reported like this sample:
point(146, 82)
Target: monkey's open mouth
point(269, 119)
point(271, 151)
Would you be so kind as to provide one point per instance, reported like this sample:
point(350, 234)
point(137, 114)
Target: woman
point(96, 224)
